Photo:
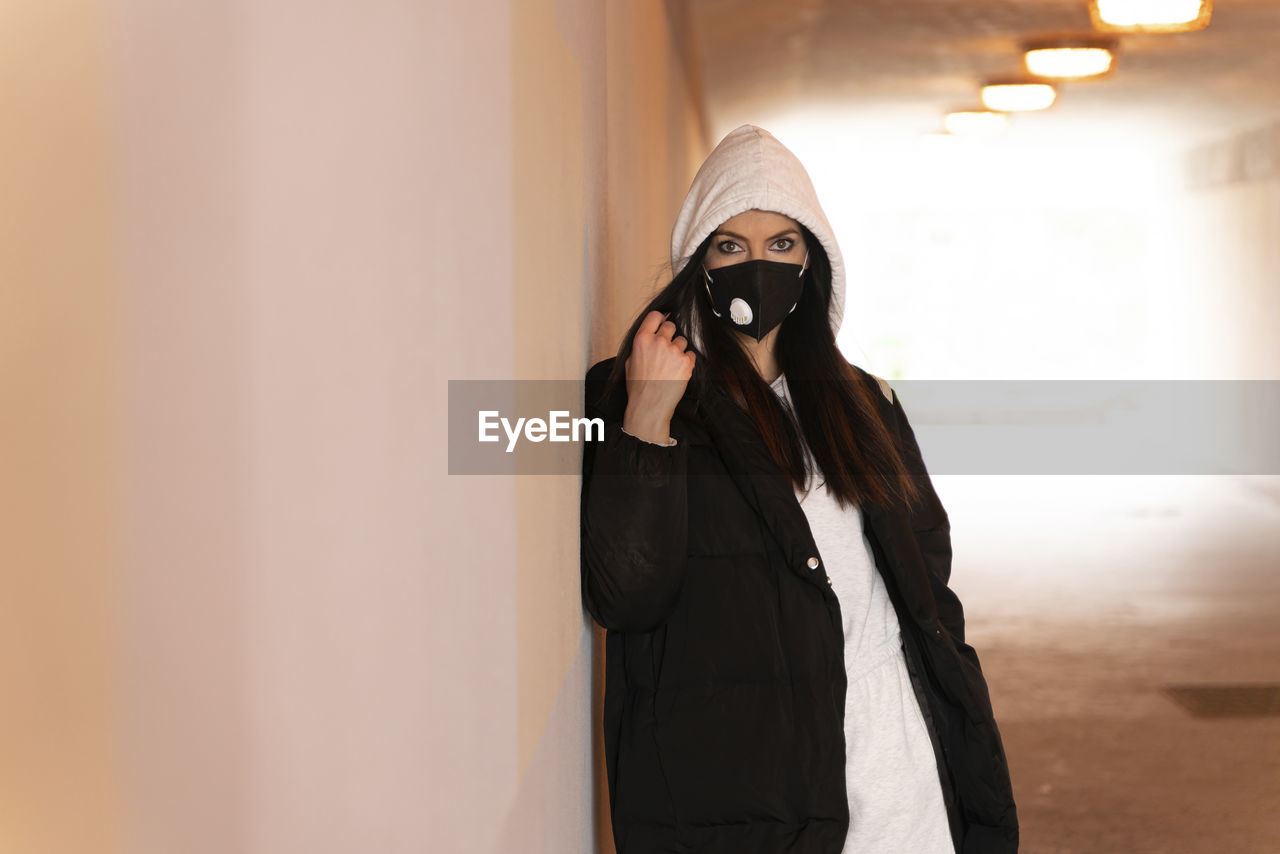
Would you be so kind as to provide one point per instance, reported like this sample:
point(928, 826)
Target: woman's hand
point(658, 370)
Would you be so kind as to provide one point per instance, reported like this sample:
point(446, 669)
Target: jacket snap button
point(828, 579)
point(812, 563)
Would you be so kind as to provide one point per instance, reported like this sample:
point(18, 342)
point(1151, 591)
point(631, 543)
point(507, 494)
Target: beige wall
point(1227, 273)
point(1231, 255)
point(59, 362)
point(246, 245)
point(1224, 245)
point(606, 138)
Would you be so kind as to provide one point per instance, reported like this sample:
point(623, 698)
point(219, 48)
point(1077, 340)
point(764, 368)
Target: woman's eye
point(784, 244)
point(728, 246)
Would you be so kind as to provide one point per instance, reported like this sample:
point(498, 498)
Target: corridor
point(250, 248)
point(1088, 598)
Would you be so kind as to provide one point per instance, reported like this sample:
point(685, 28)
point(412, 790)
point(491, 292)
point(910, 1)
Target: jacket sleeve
point(634, 521)
point(932, 529)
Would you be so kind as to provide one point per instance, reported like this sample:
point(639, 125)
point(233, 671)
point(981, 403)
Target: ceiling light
point(1150, 16)
point(1069, 58)
point(981, 123)
point(1012, 97)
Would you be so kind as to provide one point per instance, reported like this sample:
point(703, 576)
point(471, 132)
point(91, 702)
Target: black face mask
point(755, 296)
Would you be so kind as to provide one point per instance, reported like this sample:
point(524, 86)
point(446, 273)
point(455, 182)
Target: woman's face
point(756, 235)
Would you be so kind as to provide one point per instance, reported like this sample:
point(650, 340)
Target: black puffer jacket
point(725, 682)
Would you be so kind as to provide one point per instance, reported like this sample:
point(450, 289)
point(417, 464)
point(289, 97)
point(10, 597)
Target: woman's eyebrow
point(723, 233)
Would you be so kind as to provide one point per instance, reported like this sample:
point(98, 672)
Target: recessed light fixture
point(1012, 96)
point(1150, 16)
point(976, 123)
point(1069, 57)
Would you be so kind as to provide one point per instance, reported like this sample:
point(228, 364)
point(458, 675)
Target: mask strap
point(804, 266)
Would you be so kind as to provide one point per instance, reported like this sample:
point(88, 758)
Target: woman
point(785, 665)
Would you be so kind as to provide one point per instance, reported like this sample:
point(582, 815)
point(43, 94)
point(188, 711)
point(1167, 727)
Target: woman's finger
point(651, 321)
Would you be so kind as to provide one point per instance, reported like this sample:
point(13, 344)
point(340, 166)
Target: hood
point(751, 169)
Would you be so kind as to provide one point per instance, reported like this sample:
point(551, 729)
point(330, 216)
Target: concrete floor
point(1084, 597)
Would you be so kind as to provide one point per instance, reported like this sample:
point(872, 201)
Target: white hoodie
point(748, 170)
point(751, 169)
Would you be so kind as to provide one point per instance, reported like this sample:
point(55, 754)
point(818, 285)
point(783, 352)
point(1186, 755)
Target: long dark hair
point(837, 411)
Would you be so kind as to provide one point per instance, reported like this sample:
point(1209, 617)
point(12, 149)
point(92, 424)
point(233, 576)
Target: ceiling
point(894, 67)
